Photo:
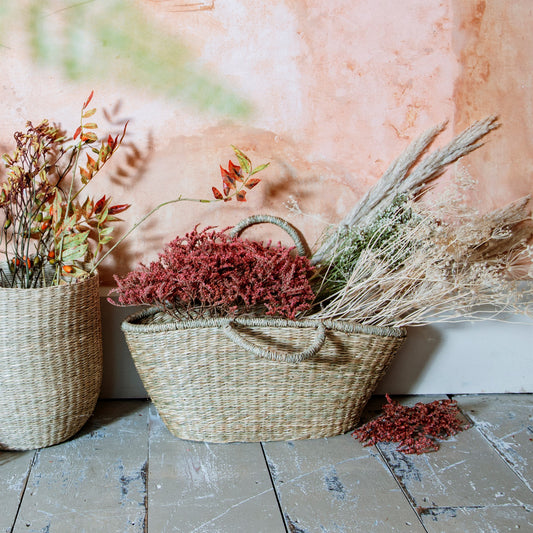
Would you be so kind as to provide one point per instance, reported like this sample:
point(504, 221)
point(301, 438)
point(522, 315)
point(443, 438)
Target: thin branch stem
point(143, 219)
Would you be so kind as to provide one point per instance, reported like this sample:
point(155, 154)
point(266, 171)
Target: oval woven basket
point(50, 362)
point(260, 379)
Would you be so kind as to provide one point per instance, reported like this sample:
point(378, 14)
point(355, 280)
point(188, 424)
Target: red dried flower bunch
point(415, 428)
point(211, 273)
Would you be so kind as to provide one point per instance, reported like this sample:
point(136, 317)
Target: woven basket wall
point(50, 362)
point(208, 388)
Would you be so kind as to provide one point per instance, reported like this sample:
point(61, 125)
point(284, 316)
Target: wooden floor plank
point(201, 487)
point(14, 472)
point(336, 485)
point(462, 484)
point(493, 519)
point(94, 482)
point(506, 420)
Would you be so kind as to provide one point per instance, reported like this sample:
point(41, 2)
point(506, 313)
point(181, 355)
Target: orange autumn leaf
point(217, 194)
point(89, 136)
point(252, 182)
point(88, 100)
point(235, 171)
point(227, 177)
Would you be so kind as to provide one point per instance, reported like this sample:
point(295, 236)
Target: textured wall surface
point(328, 92)
point(493, 43)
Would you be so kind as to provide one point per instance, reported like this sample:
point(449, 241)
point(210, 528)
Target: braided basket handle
point(303, 250)
point(299, 241)
point(286, 357)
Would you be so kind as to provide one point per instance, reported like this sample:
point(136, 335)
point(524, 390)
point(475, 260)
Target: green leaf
point(75, 239)
point(89, 113)
point(106, 231)
point(76, 253)
point(244, 160)
point(259, 168)
point(113, 218)
point(103, 215)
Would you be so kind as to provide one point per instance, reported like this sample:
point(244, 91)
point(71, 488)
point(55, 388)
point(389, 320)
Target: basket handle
point(299, 241)
point(286, 357)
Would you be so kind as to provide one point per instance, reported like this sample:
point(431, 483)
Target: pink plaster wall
point(494, 42)
point(336, 90)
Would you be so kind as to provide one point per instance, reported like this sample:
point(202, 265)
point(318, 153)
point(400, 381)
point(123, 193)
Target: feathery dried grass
point(452, 271)
point(427, 264)
point(410, 175)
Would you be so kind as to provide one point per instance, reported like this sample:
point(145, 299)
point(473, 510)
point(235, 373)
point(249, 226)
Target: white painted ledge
point(489, 357)
point(474, 357)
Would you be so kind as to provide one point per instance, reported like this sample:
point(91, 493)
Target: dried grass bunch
point(399, 260)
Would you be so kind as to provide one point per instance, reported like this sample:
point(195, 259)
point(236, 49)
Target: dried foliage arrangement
point(396, 259)
point(46, 226)
point(399, 260)
point(209, 273)
point(50, 235)
point(417, 429)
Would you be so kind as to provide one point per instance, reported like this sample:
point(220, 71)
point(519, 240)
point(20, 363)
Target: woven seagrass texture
point(50, 362)
point(207, 388)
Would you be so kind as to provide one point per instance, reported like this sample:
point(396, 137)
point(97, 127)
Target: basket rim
point(134, 324)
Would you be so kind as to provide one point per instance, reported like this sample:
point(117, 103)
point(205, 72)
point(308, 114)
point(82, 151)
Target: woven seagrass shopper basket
point(258, 379)
point(50, 362)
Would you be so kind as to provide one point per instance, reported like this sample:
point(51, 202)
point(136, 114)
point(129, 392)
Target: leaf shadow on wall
point(117, 41)
point(130, 172)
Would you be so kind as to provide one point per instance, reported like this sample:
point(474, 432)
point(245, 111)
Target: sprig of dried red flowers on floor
point(415, 428)
point(208, 273)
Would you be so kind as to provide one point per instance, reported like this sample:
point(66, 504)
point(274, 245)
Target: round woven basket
point(50, 362)
point(260, 379)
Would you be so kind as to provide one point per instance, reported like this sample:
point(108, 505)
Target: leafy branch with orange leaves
point(49, 235)
point(235, 182)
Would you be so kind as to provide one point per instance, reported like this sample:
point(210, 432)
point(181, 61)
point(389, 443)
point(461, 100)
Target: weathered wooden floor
point(125, 472)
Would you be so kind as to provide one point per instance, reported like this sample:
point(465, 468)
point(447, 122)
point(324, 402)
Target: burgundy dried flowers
point(416, 428)
point(212, 273)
